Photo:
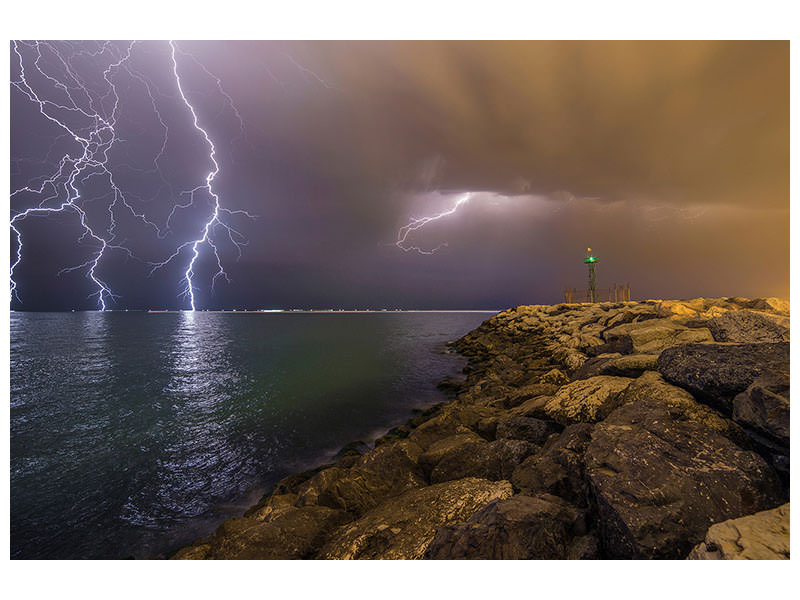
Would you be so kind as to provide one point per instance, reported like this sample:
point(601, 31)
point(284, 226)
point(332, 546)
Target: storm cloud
point(669, 159)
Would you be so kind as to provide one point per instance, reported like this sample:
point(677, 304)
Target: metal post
point(590, 261)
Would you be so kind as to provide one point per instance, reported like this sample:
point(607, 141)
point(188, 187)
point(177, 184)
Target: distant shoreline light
point(329, 311)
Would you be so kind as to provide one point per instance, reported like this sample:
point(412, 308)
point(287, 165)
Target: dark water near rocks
point(134, 433)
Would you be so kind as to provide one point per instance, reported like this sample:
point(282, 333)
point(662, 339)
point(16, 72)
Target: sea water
point(135, 433)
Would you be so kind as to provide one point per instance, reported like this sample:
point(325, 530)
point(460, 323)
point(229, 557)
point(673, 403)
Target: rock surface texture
point(655, 429)
point(762, 536)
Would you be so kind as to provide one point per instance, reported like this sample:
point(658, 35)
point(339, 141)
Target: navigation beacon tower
point(591, 261)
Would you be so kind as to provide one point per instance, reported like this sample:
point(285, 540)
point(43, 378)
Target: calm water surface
point(134, 433)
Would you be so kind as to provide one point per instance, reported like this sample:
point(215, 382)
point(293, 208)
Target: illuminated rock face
point(660, 479)
point(762, 536)
point(581, 431)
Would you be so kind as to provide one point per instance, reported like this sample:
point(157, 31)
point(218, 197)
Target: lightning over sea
point(95, 155)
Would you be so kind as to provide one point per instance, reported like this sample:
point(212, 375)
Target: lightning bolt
point(416, 224)
point(214, 220)
point(88, 116)
point(58, 192)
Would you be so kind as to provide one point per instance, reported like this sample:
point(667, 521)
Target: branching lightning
point(88, 114)
point(405, 245)
point(214, 220)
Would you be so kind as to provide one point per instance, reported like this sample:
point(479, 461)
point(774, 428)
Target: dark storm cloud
point(669, 158)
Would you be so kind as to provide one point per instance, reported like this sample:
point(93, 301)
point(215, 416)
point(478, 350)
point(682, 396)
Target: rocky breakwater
point(655, 429)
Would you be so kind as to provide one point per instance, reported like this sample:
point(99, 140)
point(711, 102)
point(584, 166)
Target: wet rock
point(762, 536)
point(294, 534)
point(402, 527)
point(525, 428)
point(272, 506)
point(559, 468)
point(387, 471)
point(715, 373)
point(522, 527)
point(292, 483)
point(746, 327)
point(488, 460)
point(587, 400)
point(660, 478)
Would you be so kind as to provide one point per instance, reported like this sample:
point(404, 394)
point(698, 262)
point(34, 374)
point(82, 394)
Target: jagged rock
point(774, 305)
point(746, 327)
point(762, 536)
point(402, 527)
point(534, 407)
point(554, 377)
point(660, 478)
point(350, 453)
point(522, 527)
point(715, 373)
point(524, 428)
point(763, 409)
point(587, 400)
point(524, 394)
point(652, 385)
point(438, 450)
point(651, 337)
point(296, 533)
point(386, 471)
point(488, 460)
point(764, 406)
point(195, 551)
point(594, 366)
point(292, 483)
point(272, 506)
point(559, 468)
point(435, 429)
point(394, 434)
point(632, 365)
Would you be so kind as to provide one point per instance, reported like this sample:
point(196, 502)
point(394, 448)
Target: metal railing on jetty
point(616, 293)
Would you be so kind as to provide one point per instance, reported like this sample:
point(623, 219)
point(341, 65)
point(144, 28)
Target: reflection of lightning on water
point(416, 224)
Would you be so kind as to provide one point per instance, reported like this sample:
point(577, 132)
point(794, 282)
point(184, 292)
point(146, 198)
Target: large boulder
point(763, 410)
point(293, 534)
point(530, 429)
point(522, 527)
point(452, 419)
point(402, 527)
point(746, 327)
point(660, 478)
point(715, 373)
point(587, 400)
point(559, 468)
point(386, 471)
point(652, 385)
point(632, 365)
point(762, 536)
point(651, 337)
point(488, 460)
point(764, 407)
point(460, 443)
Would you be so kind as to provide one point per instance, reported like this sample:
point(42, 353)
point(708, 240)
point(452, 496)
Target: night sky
point(669, 159)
